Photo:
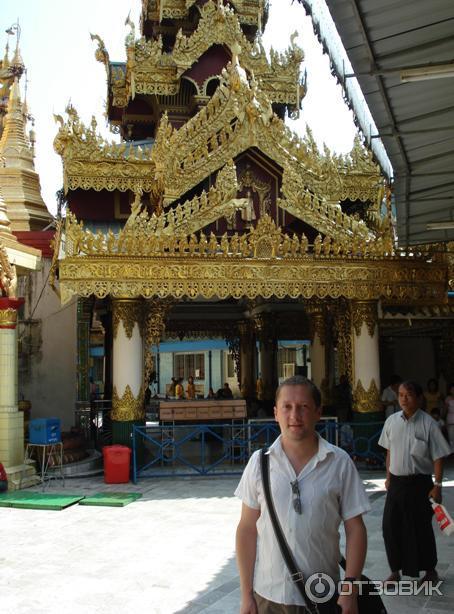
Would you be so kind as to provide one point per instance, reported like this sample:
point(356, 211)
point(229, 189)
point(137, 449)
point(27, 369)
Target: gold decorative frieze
point(129, 312)
point(236, 276)
point(366, 401)
point(8, 318)
point(128, 407)
point(364, 311)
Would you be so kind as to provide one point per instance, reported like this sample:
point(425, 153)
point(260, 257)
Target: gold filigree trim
point(366, 401)
point(364, 311)
point(238, 277)
point(128, 407)
point(8, 318)
point(129, 312)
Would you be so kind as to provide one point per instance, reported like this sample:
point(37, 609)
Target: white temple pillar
point(366, 366)
point(11, 419)
point(128, 385)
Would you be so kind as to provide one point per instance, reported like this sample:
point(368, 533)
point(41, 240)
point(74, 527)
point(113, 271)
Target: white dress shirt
point(331, 491)
point(415, 443)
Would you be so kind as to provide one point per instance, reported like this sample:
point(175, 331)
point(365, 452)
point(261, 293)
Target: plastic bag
point(443, 518)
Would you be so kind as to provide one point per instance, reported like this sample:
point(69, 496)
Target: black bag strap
point(287, 555)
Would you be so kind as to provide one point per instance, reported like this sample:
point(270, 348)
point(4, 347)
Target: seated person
point(225, 392)
point(211, 394)
point(172, 386)
point(179, 392)
point(190, 390)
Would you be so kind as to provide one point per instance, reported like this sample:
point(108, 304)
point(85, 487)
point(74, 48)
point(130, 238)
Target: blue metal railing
point(169, 450)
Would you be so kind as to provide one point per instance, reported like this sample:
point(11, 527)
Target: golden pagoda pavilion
point(211, 217)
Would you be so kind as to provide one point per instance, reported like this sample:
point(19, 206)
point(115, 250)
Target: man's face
point(408, 400)
point(296, 412)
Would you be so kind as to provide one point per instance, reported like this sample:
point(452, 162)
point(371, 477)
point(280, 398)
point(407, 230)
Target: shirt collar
point(324, 448)
point(413, 418)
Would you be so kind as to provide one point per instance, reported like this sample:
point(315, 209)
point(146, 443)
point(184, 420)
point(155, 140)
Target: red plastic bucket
point(117, 460)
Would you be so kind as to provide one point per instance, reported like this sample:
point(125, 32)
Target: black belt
point(408, 479)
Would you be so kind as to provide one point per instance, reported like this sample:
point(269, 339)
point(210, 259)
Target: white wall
point(47, 376)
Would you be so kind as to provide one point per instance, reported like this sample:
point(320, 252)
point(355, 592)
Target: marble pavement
point(170, 552)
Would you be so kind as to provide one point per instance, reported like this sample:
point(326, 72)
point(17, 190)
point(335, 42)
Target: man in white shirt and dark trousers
point(415, 450)
point(315, 486)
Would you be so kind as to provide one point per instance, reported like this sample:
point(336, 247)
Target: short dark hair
point(300, 380)
point(413, 387)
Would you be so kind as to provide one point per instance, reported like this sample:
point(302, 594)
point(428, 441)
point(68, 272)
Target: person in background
point(211, 394)
point(190, 389)
point(172, 386)
point(225, 392)
point(389, 396)
point(179, 391)
point(415, 451)
point(343, 399)
point(449, 414)
point(432, 397)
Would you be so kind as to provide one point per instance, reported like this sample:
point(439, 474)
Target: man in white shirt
point(315, 486)
point(415, 450)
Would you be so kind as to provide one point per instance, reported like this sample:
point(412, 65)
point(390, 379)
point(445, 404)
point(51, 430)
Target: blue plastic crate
point(45, 430)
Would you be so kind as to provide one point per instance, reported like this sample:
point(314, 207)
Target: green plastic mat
point(111, 499)
point(38, 501)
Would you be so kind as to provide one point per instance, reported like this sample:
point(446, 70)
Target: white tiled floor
point(171, 551)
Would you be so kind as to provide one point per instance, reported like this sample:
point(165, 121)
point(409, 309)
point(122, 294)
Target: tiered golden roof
point(165, 250)
point(250, 12)
point(152, 70)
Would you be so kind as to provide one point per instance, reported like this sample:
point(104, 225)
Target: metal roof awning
point(402, 54)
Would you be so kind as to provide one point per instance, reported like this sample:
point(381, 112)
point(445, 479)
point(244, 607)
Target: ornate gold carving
point(8, 318)
point(156, 311)
point(317, 322)
point(129, 312)
point(127, 407)
point(343, 336)
point(366, 401)
point(250, 12)
point(152, 70)
point(90, 162)
point(364, 311)
point(8, 276)
point(130, 265)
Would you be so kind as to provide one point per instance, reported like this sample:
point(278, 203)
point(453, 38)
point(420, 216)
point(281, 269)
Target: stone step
point(26, 482)
point(22, 476)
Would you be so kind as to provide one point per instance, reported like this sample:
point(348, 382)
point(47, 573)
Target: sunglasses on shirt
point(296, 501)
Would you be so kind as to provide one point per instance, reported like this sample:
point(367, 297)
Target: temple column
point(318, 348)
point(247, 358)
point(266, 333)
point(366, 365)
point(128, 388)
point(156, 311)
point(11, 419)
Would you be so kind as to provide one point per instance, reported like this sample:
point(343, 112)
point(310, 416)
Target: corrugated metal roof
point(415, 120)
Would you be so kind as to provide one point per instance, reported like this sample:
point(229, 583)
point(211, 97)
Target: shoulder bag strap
point(287, 555)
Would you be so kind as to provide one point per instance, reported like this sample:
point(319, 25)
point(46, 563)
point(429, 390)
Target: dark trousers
point(407, 525)
point(265, 606)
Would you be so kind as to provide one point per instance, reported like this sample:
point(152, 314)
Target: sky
point(61, 67)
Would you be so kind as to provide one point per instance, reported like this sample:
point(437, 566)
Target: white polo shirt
point(331, 491)
point(415, 443)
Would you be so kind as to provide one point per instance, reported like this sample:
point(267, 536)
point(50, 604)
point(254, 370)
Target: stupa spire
point(14, 145)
